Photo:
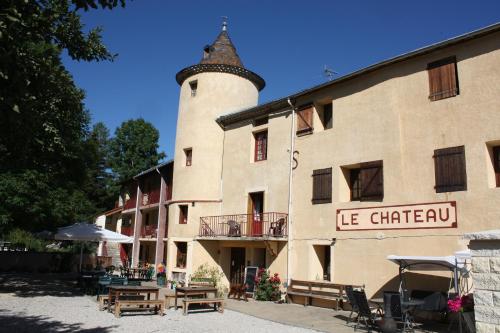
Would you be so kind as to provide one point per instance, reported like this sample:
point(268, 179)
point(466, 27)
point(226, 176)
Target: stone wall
point(485, 251)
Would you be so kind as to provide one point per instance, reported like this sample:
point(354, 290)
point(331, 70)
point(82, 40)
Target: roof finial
point(224, 23)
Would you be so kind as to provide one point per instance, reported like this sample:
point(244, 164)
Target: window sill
point(305, 132)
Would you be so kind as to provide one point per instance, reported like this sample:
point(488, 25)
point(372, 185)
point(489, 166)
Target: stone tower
point(218, 85)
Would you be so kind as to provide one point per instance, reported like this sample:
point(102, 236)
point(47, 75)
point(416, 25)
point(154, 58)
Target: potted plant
point(161, 275)
point(464, 307)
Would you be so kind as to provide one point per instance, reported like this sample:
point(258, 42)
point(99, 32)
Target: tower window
point(183, 214)
point(194, 87)
point(189, 156)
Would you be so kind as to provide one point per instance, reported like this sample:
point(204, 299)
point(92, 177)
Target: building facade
point(401, 157)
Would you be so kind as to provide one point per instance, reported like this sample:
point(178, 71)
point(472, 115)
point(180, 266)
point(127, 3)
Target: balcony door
point(255, 212)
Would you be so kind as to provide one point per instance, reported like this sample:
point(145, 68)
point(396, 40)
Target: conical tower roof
point(221, 52)
point(221, 57)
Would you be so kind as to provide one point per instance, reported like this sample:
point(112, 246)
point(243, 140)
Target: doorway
point(255, 211)
point(237, 265)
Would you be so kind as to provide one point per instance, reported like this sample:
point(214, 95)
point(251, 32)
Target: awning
point(427, 263)
point(90, 233)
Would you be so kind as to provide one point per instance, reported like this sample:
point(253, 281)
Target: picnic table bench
point(317, 290)
point(122, 305)
point(217, 302)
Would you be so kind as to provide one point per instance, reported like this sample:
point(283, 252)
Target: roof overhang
point(220, 68)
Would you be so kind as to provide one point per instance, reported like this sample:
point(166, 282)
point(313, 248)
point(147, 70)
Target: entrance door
point(256, 210)
point(237, 265)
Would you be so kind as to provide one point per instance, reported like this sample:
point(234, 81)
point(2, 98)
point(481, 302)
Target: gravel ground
point(28, 304)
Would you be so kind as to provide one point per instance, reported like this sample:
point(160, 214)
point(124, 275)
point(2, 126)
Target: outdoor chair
point(234, 229)
point(277, 228)
point(365, 313)
point(392, 305)
point(102, 286)
point(354, 306)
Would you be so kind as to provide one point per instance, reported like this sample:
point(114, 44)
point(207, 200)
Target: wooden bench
point(317, 290)
point(217, 302)
point(138, 305)
point(104, 300)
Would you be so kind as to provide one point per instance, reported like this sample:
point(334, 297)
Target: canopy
point(90, 233)
point(427, 263)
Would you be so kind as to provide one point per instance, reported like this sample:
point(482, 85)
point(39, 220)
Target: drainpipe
point(290, 206)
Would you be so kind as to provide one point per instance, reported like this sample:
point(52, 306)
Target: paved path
point(311, 317)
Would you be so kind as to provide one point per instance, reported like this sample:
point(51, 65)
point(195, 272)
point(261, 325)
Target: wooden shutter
point(449, 168)
point(305, 120)
point(443, 79)
point(496, 164)
point(322, 186)
point(371, 177)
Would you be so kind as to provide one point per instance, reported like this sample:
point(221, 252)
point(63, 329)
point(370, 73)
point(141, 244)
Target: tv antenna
point(329, 73)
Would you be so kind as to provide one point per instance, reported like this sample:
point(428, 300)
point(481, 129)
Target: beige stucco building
point(400, 157)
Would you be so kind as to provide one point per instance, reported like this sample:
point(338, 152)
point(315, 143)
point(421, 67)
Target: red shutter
point(449, 168)
point(372, 181)
point(305, 120)
point(260, 146)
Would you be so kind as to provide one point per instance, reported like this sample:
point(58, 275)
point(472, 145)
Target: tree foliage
point(134, 148)
point(45, 176)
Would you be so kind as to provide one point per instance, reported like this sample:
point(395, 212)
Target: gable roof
point(281, 103)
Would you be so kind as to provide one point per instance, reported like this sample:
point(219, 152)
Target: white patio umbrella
point(89, 233)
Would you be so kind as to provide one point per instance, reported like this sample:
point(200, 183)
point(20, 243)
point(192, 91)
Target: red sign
point(416, 216)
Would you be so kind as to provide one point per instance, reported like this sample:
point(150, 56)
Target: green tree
point(100, 186)
point(134, 148)
point(44, 127)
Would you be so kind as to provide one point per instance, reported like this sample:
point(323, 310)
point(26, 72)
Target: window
point(260, 146)
point(496, 164)
point(305, 120)
point(181, 257)
point(189, 156)
point(449, 168)
point(367, 182)
point(443, 79)
point(322, 186)
point(183, 214)
point(326, 116)
point(260, 121)
point(194, 87)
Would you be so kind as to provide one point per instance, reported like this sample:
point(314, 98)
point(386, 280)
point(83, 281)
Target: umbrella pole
point(81, 256)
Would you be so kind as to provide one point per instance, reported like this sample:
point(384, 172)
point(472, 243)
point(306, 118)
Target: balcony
point(151, 197)
point(127, 231)
point(250, 226)
point(130, 203)
point(148, 231)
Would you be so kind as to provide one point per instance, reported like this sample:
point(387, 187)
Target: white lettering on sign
point(417, 216)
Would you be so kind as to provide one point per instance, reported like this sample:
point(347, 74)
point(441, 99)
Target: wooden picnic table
point(116, 290)
point(192, 291)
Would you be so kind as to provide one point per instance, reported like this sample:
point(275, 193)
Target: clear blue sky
point(286, 42)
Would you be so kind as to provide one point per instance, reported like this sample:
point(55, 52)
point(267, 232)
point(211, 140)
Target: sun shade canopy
point(90, 233)
point(426, 263)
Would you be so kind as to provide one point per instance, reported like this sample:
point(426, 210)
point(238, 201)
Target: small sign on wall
point(415, 216)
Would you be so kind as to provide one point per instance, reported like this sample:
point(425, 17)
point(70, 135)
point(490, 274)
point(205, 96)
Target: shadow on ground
point(33, 285)
point(20, 323)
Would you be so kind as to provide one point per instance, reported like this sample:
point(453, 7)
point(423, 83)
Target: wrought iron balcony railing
point(263, 225)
